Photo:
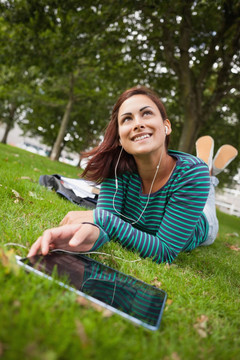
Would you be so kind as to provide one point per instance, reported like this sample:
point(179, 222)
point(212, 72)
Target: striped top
point(173, 220)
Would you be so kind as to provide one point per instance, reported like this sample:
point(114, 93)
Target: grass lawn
point(40, 320)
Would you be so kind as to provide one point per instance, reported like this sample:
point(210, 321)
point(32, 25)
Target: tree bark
point(189, 135)
point(57, 147)
point(186, 80)
point(7, 130)
point(10, 123)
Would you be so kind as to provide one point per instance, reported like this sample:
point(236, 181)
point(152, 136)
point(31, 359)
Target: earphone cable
point(149, 194)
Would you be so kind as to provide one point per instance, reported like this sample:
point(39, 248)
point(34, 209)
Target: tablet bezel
point(133, 319)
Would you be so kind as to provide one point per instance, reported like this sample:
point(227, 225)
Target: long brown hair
point(103, 158)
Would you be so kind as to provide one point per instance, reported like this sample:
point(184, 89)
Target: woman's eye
point(146, 113)
point(126, 119)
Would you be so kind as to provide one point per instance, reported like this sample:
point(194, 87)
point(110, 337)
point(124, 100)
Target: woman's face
point(141, 127)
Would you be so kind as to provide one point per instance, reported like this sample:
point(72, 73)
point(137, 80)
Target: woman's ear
point(167, 126)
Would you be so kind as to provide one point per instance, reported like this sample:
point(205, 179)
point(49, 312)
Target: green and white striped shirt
point(173, 220)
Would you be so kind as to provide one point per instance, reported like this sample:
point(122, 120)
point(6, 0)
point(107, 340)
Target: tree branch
point(169, 49)
point(229, 23)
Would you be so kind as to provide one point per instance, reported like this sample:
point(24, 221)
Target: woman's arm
point(178, 226)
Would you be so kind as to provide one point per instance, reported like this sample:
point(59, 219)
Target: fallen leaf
point(175, 356)
point(167, 266)
point(89, 304)
point(101, 258)
point(34, 195)
point(17, 195)
point(234, 234)
point(201, 326)
point(107, 313)
point(233, 247)
point(35, 169)
point(8, 261)
point(82, 301)
point(16, 303)
point(203, 319)
point(169, 301)
point(81, 333)
point(201, 332)
point(156, 282)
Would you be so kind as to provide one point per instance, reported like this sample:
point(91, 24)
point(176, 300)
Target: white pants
point(210, 213)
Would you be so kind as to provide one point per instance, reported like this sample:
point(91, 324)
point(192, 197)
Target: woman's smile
point(141, 137)
point(140, 126)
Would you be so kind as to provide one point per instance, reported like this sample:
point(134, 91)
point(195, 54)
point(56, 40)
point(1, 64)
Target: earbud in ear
point(120, 142)
point(166, 130)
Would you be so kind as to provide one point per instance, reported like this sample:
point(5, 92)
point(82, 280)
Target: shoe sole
point(224, 156)
point(204, 147)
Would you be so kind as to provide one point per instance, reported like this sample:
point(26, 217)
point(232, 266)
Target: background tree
point(58, 35)
point(87, 119)
point(14, 93)
point(188, 51)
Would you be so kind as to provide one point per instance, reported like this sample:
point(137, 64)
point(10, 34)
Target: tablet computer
point(125, 295)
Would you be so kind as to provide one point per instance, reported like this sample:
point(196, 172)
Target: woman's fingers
point(77, 217)
point(35, 247)
point(76, 237)
point(53, 238)
point(71, 217)
point(59, 236)
point(85, 237)
point(47, 239)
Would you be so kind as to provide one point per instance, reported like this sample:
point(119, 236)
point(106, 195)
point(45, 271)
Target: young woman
point(152, 200)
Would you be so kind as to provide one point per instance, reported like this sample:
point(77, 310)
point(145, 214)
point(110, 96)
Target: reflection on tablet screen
point(140, 301)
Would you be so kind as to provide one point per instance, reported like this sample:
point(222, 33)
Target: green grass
point(40, 320)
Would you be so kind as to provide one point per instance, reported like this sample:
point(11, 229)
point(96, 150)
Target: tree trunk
point(186, 81)
point(189, 135)
point(57, 147)
point(192, 121)
point(7, 130)
point(10, 123)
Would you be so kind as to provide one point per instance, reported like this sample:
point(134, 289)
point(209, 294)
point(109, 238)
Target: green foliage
point(188, 51)
point(40, 320)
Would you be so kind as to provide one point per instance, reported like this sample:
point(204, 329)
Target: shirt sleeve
point(181, 216)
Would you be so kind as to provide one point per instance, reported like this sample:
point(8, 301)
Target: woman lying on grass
point(153, 200)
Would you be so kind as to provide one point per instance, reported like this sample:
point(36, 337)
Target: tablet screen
point(130, 297)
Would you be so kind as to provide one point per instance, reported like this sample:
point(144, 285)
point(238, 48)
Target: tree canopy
point(74, 58)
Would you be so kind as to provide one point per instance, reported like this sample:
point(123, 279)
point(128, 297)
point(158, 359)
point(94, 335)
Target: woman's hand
point(80, 237)
point(77, 217)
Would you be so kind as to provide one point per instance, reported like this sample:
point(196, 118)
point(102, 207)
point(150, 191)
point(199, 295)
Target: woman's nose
point(138, 124)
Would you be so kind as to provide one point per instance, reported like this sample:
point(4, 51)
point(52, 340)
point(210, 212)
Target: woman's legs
point(223, 157)
point(210, 213)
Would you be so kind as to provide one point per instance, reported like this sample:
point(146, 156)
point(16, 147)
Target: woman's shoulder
point(124, 179)
point(187, 160)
